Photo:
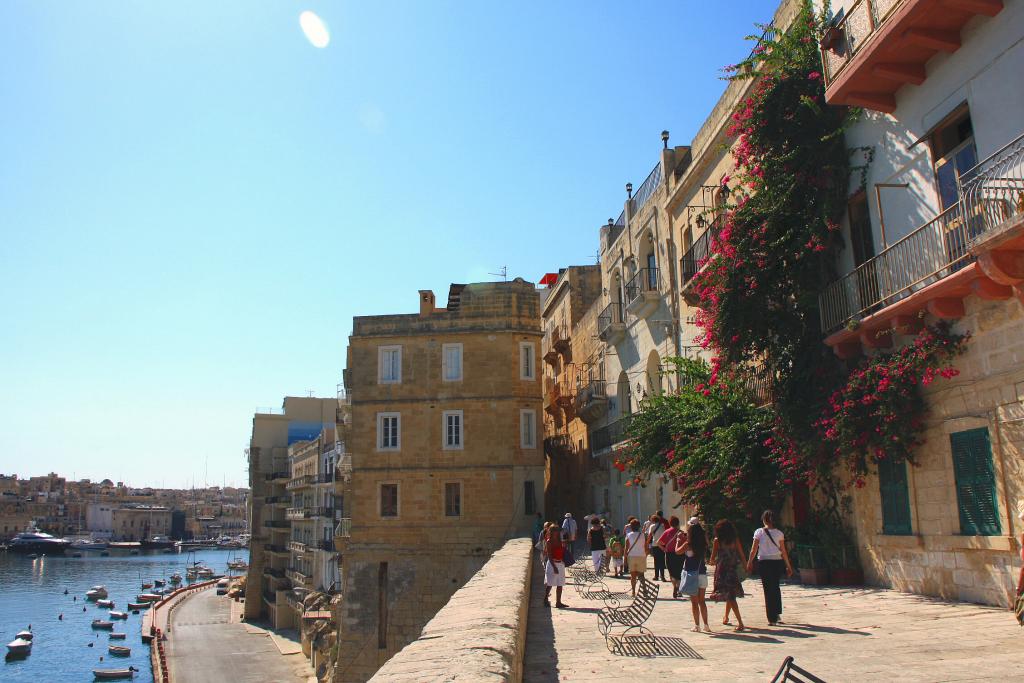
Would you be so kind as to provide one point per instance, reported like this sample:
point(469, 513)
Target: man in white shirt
point(637, 550)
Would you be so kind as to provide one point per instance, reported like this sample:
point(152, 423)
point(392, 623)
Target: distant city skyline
point(195, 199)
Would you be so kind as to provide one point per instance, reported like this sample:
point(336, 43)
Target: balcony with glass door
point(611, 326)
point(643, 292)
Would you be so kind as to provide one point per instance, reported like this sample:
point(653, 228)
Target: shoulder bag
point(690, 583)
point(568, 559)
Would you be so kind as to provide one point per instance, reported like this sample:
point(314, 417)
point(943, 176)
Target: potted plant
point(845, 565)
point(812, 563)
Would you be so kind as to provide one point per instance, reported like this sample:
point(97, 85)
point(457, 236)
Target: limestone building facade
point(937, 233)
point(267, 583)
point(447, 458)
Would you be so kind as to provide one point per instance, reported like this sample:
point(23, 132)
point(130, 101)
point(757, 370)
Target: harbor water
point(32, 592)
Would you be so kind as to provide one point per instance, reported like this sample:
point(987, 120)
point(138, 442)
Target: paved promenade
point(209, 644)
point(838, 634)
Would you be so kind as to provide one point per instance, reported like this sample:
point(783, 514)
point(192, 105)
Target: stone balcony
point(592, 401)
point(611, 326)
point(643, 292)
point(296, 483)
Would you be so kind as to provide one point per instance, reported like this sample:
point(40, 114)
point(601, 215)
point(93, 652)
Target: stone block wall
point(480, 634)
point(937, 559)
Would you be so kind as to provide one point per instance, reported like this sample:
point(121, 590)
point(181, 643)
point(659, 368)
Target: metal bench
point(791, 672)
point(633, 617)
point(581, 575)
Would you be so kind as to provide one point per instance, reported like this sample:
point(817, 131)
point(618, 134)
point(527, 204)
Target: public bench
point(791, 672)
point(632, 618)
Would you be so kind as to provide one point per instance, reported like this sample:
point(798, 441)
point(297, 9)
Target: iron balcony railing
point(595, 388)
point(603, 438)
point(297, 546)
point(855, 29)
point(320, 511)
point(645, 280)
point(299, 482)
point(621, 220)
point(324, 478)
point(992, 193)
point(994, 189)
point(276, 524)
point(646, 189)
point(696, 256)
point(557, 444)
point(758, 381)
point(611, 315)
point(344, 528)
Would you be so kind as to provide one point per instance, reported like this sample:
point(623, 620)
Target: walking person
point(538, 527)
point(727, 556)
point(637, 551)
point(668, 543)
point(595, 539)
point(694, 551)
point(554, 566)
point(616, 548)
point(769, 548)
point(655, 528)
point(570, 528)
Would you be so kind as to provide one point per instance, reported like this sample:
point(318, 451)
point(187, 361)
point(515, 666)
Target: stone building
point(938, 234)
point(267, 583)
point(574, 393)
point(139, 522)
point(445, 441)
point(314, 562)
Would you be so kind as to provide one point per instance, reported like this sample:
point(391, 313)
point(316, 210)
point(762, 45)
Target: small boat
point(88, 544)
point(24, 635)
point(119, 650)
point(146, 586)
point(101, 624)
point(238, 565)
point(105, 603)
point(19, 647)
point(118, 615)
point(117, 636)
point(148, 597)
point(159, 583)
point(138, 605)
point(175, 578)
point(113, 674)
point(96, 593)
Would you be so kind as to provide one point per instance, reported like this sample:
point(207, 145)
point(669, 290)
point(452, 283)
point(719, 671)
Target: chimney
point(426, 302)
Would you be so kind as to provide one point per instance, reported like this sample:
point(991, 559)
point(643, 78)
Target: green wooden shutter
point(892, 481)
point(975, 482)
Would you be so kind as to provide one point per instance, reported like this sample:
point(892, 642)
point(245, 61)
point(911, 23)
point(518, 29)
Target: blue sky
point(195, 201)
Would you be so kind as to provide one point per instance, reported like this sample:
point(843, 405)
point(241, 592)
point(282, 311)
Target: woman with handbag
point(694, 549)
point(728, 557)
point(669, 541)
point(554, 567)
point(769, 548)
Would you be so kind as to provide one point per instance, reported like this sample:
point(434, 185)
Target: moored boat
point(103, 625)
point(118, 636)
point(24, 635)
point(138, 605)
point(119, 650)
point(175, 577)
point(146, 586)
point(113, 674)
point(159, 583)
point(118, 615)
point(88, 544)
point(148, 597)
point(96, 593)
point(105, 603)
point(160, 542)
point(19, 647)
point(35, 542)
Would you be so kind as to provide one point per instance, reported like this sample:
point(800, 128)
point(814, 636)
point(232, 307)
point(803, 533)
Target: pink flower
point(813, 76)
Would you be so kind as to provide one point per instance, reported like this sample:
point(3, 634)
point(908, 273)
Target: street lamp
point(629, 190)
point(664, 138)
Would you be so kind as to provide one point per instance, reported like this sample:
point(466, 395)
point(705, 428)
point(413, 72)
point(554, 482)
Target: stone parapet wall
point(480, 634)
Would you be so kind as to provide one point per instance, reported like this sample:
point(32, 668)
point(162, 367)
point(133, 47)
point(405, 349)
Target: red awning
point(549, 279)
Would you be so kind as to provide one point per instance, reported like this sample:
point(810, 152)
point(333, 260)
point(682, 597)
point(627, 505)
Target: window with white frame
point(389, 426)
point(452, 424)
point(389, 364)
point(527, 429)
point(451, 362)
point(527, 364)
point(453, 499)
point(388, 503)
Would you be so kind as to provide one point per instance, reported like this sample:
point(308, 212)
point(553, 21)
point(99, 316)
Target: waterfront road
point(206, 645)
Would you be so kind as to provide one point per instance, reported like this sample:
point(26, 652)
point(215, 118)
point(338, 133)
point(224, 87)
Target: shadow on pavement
point(659, 646)
point(827, 629)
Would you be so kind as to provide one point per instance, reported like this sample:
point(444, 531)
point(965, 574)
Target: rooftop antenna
point(503, 272)
point(597, 256)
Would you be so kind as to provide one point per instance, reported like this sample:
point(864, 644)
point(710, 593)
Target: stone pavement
point(208, 643)
point(838, 634)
